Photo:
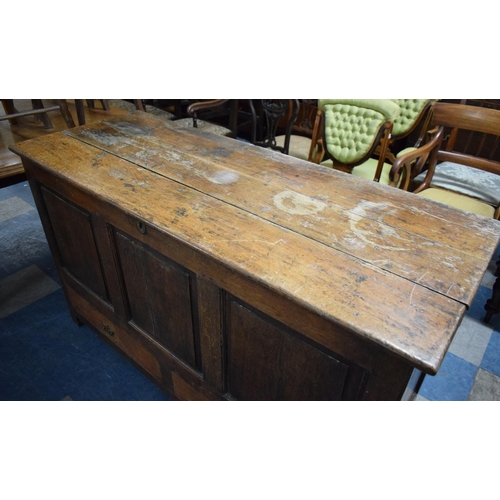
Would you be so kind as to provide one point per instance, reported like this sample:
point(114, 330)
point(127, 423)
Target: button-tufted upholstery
point(352, 126)
point(411, 110)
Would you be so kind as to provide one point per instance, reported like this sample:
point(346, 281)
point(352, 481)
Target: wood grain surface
point(386, 265)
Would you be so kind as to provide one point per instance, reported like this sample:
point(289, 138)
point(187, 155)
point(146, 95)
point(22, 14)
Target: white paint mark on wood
point(224, 177)
point(117, 174)
point(297, 204)
point(354, 243)
point(122, 176)
point(379, 234)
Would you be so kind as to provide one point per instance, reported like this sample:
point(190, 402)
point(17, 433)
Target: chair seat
point(299, 146)
point(470, 181)
point(120, 103)
point(187, 123)
point(367, 170)
point(459, 201)
point(128, 106)
point(161, 113)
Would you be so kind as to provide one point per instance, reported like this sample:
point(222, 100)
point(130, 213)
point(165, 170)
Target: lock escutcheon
point(141, 227)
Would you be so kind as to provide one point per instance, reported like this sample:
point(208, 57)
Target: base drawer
point(172, 376)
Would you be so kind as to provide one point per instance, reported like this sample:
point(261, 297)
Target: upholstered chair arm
point(417, 159)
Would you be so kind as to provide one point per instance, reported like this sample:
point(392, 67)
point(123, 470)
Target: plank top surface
point(387, 265)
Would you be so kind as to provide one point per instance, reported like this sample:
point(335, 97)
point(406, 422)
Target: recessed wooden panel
point(159, 297)
point(75, 240)
point(267, 363)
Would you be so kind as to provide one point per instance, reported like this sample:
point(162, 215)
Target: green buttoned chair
point(414, 116)
point(353, 135)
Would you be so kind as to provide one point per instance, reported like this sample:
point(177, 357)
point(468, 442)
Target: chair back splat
point(274, 114)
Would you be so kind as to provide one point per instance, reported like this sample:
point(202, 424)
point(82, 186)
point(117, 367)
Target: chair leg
point(105, 104)
point(254, 121)
point(80, 111)
point(493, 305)
point(8, 106)
point(139, 105)
point(233, 116)
point(38, 104)
point(178, 108)
point(66, 113)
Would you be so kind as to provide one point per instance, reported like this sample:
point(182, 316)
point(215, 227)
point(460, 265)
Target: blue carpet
point(44, 355)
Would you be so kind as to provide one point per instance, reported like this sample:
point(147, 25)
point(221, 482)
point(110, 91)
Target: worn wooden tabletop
point(384, 264)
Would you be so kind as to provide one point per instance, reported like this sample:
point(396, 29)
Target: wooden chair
point(349, 133)
point(214, 107)
point(273, 115)
point(39, 111)
point(194, 110)
point(465, 181)
point(138, 104)
point(80, 108)
point(461, 180)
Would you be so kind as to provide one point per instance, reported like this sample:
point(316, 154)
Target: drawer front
point(128, 343)
point(173, 376)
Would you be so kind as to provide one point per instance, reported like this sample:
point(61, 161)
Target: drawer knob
point(108, 330)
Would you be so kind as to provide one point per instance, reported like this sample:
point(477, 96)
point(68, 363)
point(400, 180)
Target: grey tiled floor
point(471, 368)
